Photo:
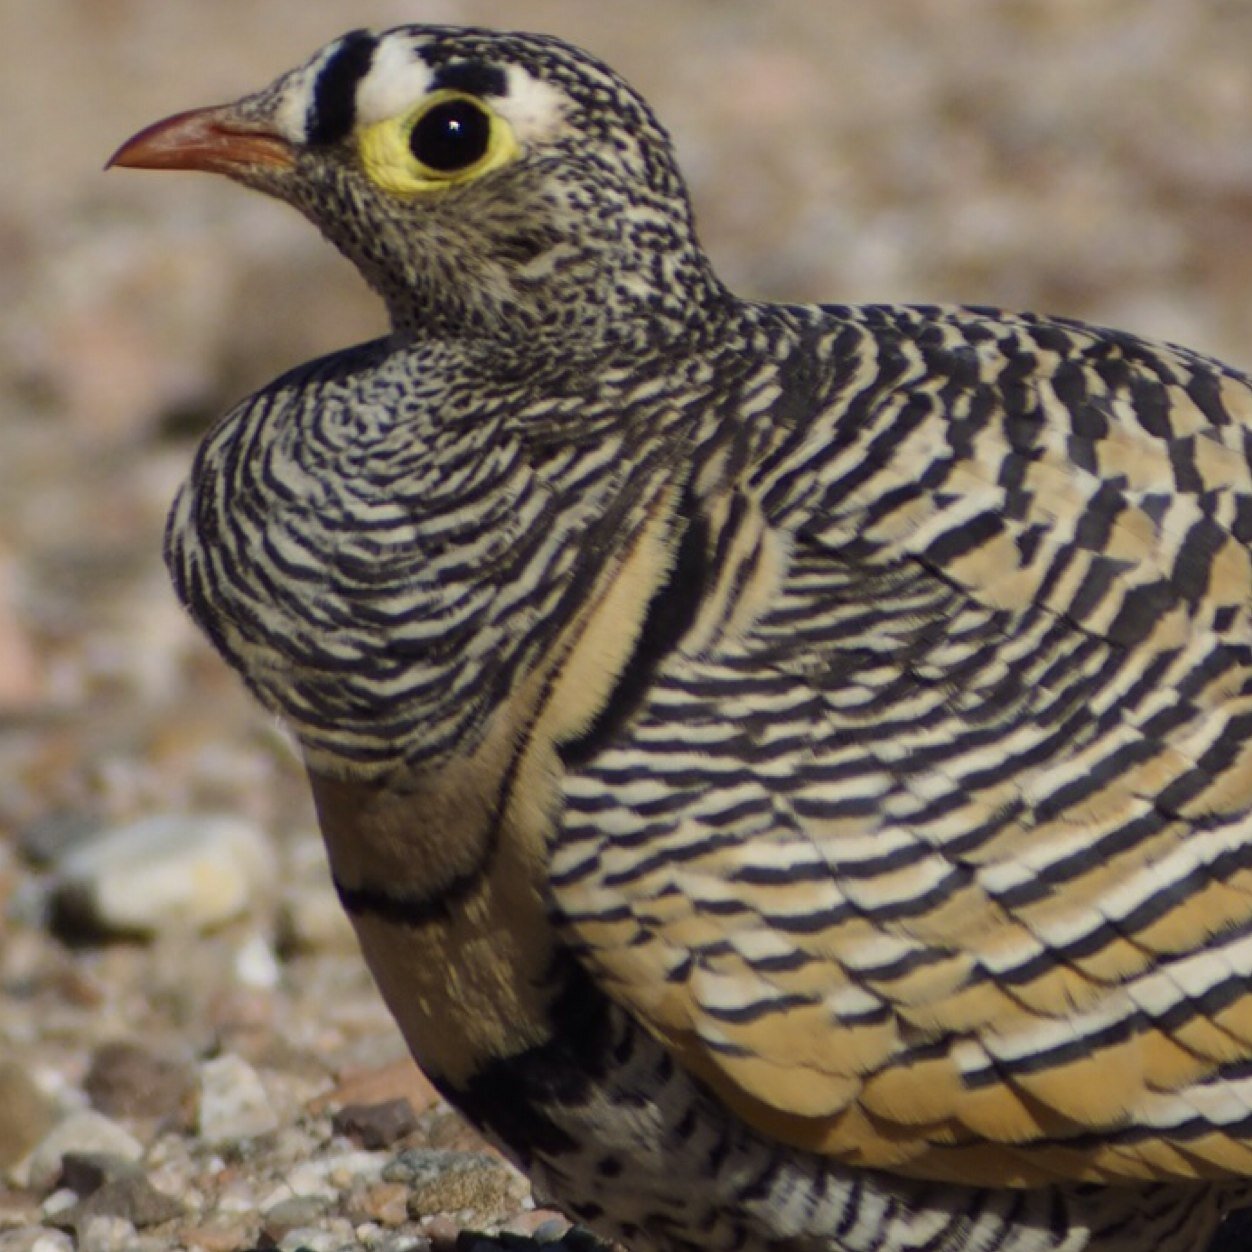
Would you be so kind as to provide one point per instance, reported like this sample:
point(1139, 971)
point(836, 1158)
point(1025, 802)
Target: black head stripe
point(334, 94)
point(476, 78)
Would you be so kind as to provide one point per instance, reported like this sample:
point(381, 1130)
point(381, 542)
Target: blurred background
point(1084, 157)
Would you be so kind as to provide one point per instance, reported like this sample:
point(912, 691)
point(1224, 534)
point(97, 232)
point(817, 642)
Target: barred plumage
point(788, 767)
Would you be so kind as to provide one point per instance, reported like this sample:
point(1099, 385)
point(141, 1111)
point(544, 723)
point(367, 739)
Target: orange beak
point(216, 140)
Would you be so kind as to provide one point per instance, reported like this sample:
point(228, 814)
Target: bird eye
point(451, 136)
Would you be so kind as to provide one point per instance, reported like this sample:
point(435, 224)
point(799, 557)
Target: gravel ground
point(191, 1055)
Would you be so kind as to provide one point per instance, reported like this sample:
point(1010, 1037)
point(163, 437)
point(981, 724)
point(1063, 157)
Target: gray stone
point(378, 1125)
point(551, 1230)
point(48, 840)
point(127, 1080)
point(291, 1214)
point(133, 1199)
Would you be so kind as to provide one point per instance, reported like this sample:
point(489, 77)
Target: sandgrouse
point(789, 768)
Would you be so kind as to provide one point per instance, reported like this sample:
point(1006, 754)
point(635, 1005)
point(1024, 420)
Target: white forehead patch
point(535, 109)
point(292, 112)
point(399, 78)
point(396, 81)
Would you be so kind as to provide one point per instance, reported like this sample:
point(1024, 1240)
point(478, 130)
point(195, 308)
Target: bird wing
point(930, 848)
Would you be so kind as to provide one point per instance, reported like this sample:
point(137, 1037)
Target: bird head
point(501, 186)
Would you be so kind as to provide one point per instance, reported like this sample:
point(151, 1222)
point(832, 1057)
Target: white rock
point(164, 873)
point(331, 1237)
point(61, 1199)
point(83, 1131)
point(326, 1176)
point(99, 1233)
point(233, 1102)
point(349, 1168)
point(52, 1241)
point(256, 964)
point(35, 1239)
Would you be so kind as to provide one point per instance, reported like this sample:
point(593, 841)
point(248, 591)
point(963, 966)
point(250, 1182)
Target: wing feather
point(953, 870)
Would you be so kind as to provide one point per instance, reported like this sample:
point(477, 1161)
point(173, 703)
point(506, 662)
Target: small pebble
point(401, 1241)
point(542, 1225)
point(84, 1173)
point(474, 1183)
point(50, 838)
point(60, 1201)
point(79, 1132)
point(233, 1102)
point(132, 1198)
point(126, 1079)
point(221, 1235)
point(106, 1234)
point(161, 873)
point(350, 1168)
point(387, 1203)
point(292, 1213)
point(308, 1178)
point(26, 1113)
point(256, 965)
point(336, 1235)
point(376, 1126)
point(35, 1239)
point(444, 1233)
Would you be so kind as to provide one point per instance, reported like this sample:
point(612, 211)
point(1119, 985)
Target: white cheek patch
point(535, 109)
point(397, 79)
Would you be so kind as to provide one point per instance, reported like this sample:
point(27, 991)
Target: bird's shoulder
point(1022, 459)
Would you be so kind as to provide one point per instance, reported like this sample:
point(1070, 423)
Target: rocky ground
point(191, 1055)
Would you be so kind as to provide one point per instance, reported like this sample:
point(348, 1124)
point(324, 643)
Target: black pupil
point(451, 136)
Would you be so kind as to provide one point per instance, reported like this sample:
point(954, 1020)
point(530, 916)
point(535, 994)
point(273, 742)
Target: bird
point(789, 767)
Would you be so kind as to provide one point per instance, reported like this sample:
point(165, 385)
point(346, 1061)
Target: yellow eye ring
point(459, 136)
